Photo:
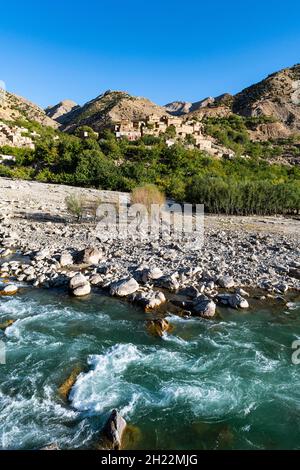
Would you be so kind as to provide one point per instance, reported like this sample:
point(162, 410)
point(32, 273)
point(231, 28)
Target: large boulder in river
point(79, 285)
point(10, 289)
point(124, 287)
point(90, 255)
point(158, 327)
point(6, 324)
point(113, 432)
point(66, 386)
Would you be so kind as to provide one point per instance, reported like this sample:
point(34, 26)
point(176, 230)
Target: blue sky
point(164, 50)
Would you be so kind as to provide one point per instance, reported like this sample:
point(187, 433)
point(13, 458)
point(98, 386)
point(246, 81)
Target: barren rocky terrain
point(240, 256)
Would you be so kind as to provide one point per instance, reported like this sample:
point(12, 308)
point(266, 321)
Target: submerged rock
point(65, 388)
point(113, 432)
point(6, 324)
point(124, 287)
point(51, 447)
point(158, 327)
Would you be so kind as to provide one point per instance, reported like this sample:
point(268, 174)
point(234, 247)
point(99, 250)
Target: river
point(227, 383)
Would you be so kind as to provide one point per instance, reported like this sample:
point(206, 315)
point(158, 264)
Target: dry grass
point(147, 195)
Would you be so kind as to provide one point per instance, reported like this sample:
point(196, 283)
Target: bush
point(75, 205)
point(147, 195)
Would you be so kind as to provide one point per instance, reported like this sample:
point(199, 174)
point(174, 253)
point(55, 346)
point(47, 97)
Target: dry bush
point(91, 206)
point(147, 195)
point(75, 205)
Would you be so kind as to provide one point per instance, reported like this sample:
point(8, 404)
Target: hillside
point(111, 106)
point(278, 96)
point(59, 111)
point(14, 107)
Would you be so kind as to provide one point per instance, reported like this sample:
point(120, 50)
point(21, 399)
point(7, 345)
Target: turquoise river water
point(224, 384)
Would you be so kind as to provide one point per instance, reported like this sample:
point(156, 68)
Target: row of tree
point(238, 186)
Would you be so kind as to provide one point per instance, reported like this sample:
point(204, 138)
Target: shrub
point(75, 205)
point(147, 195)
point(91, 206)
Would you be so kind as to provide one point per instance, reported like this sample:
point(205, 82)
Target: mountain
point(59, 111)
point(13, 107)
point(180, 108)
point(277, 96)
point(111, 106)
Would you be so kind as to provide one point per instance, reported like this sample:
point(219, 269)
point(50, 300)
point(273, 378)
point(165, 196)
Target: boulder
point(90, 255)
point(6, 324)
point(233, 300)
point(158, 327)
point(169, 282)
point(204, 307)
point(149, 300)
point(10, 289)
point(96, 279)
point(152, 274)
point(282, 287)
point(42, 254)
point(124, 287)
point(66, 259)
point(237, 301)
point(226, 282)
point(113, 432)
point(5, 252)
point(79, 285)
point(51, 447)
point(82, 290)
point(66, 386)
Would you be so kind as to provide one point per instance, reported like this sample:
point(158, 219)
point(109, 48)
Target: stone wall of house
point(14, 136)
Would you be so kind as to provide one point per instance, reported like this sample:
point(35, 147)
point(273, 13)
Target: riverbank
point(258, 256)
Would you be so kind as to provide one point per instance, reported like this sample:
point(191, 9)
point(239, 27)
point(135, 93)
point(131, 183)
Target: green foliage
point(82, 130)
point(245, 197)
point(75, 204)
point(237, 186)
point(232, 132)
point(171, 131)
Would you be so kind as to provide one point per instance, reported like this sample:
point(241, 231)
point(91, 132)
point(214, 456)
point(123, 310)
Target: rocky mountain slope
point(59, 111)
point(13, 107)
point(277, 96)
point(112, 106)
point(180, 108)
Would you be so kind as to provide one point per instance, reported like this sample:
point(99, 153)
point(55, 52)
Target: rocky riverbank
point(240, 255)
